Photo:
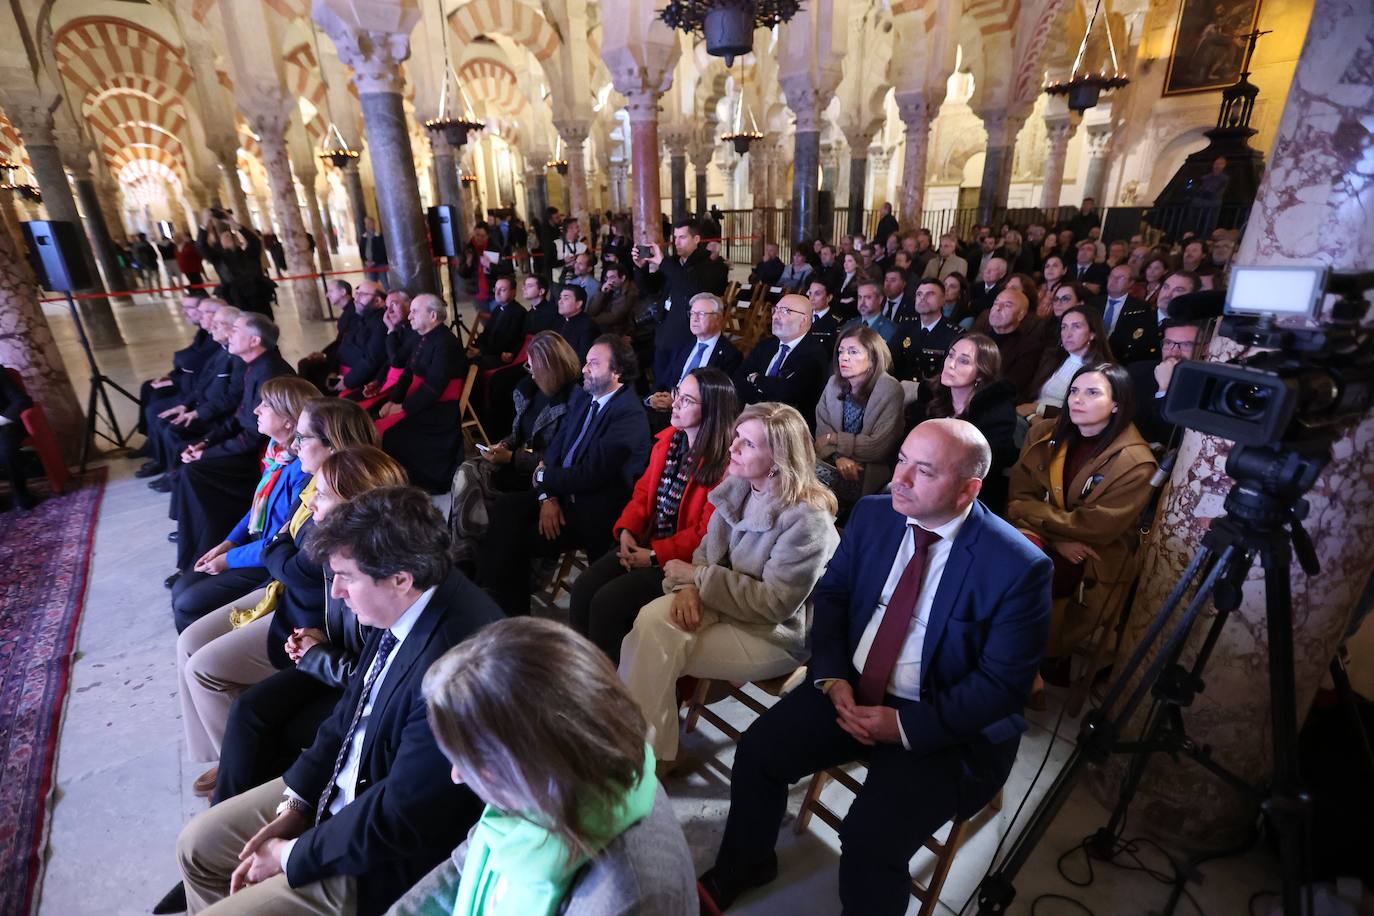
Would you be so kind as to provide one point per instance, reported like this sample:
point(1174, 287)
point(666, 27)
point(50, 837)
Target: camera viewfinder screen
point(1284, 291)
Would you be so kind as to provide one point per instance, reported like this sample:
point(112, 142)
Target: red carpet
point(45, 558)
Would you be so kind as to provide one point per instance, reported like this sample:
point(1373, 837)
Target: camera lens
point(1247, 401)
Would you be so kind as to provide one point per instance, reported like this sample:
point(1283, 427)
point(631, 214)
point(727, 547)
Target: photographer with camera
point(235, 251)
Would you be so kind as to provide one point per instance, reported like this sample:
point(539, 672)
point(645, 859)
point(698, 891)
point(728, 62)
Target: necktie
point(887, 643)
point(694, 361)
point(774, 369)
point(1081, 271)
point(1111, 312)
point(891, 310)
point(378, 663)
point(586, 425)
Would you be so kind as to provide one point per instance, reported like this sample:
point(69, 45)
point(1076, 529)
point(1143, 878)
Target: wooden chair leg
point(996, 803)
point(810, 800)
point(696, 704)
point(944, 861)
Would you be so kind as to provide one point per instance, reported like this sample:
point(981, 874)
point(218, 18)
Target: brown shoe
point(204, 785)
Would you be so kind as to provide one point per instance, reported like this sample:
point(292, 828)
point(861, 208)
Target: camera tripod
point(1264, 511)
point(98, 382)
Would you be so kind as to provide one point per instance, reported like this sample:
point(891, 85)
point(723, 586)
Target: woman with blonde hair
point(859, 417)
point(575, 820)
point(737, 611)
point(275, 717)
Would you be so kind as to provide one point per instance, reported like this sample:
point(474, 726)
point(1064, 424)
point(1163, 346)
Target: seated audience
point(947, 261)
point(1024, 284)
point(1082, 341)
point(1055, 274)
point(1067, 295)
point(858, 418)
point(971, 388)
point(233, 567)
point(1077, 491)
point(274, 718)
point(242, 642)
point(797, 274)
point(1152, 278)
point(956, 308)
point(931, 605)
point(769, 270)
point(540, 312)
point(575, 820)
point(666, 516)
point(613, 308)
point(1017, 337)
point(1131, 325)
point(789, 367)
point(709, 346)
point(218, 472)
point(897, 304)
point(400, 344)
point(824, 323)
point(870, 308)
point(674, 280)
point(922, 340)
point(1150, 379)
point(503, 333)
point(14, 400)
point(156, 394)
point(583, 276)
point(580, 486)
point(573, 324)
point(738, 610)
point(1086, 270)
point(362, 353)
point(991, 281)
point(419, 420)
point(1177, 283)
point(845, 298)
point(368, 809)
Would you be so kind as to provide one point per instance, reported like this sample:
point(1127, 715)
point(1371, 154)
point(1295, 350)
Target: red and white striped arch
point(491, 82)
point(88, 50)
point(517, 21)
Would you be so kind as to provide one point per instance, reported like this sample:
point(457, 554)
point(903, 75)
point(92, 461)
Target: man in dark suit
point(1150, 378)
point(918, 350)
point(769, 270)
point(540, 311)
point(708, 347)
point(1018, 339)
point(362, 349)
point(372, 249)
point(156, 394)
point(1132, 329)
point(573, 323)
point(991, 279)
point(929, 626)
point(831, 271)
point(1086, 270)
point(887, 225)
point(587, 475)
point(503, 332)
point(14, 400)
point(791, 366)
point(369, 808)
point(690, 270)
point(825, 324)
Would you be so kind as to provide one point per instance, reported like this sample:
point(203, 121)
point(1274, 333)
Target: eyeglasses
point(1065, 299)
point(686, 400)
point(1167, 344)
point(300, 437)
point(783, 308)
point(695, 314)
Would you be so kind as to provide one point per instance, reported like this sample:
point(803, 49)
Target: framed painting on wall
point(1209, 44)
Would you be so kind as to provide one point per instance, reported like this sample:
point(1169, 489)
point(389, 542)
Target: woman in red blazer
point(667, 515)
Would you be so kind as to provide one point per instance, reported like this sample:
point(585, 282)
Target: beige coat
point(1106, 520)
point(759, 562)
point(876, 444)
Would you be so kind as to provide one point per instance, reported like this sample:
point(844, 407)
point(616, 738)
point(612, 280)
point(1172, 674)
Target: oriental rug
point(45, 558)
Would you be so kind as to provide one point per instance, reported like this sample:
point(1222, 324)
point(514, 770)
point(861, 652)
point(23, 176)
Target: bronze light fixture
point(558, 163)
point(727, 25)
point(454, 126)
point(333, 148)
point(1084, 88)
point(740, 137)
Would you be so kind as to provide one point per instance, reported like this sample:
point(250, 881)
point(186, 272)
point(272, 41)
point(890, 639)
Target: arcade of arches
point(134, 116)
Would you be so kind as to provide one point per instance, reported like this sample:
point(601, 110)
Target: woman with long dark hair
point(858, 418)
point(666, 517)
point(956, 307)
point(1054, 272)
point(1082, 341)
point(1077, 491)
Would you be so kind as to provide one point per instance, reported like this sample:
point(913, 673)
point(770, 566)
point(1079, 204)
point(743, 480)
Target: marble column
point(701, 168)
point(859, 141)
point(1059, 131)
point(677, 175)
point(306, 175)
point(9, 215)
point(228, 159)
point(1312, 207)
point(353, 186)
point(917, 114)
point(376, 58)
point(100, 235)
point(806, 160)
point(646, 206)
point(26, 344)
point(1095, 174)
point(574, 134)
point(450, 193)
point(270, 117)
point(1002, 128)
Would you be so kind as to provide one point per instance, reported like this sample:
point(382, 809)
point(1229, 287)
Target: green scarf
point(514, 866)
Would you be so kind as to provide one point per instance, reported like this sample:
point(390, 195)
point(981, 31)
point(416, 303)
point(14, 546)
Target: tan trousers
point(656, 653)
point(215, 663)
point(208, 852)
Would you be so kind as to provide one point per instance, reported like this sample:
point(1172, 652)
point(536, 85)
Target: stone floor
point(123, 786)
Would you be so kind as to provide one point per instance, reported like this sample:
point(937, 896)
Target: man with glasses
point(362, 352)
point(791, 366)
point(708, 347)
point(1179, 341)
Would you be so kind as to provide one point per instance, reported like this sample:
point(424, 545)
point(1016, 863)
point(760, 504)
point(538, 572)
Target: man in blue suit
point(929, 625)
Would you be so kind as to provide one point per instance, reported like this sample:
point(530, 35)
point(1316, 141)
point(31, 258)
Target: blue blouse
point(281, 505)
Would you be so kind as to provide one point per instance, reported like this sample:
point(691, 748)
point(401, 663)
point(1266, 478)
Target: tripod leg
point(89, 438)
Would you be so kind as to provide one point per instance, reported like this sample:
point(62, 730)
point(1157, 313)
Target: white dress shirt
point(347, 783)
point(705, 355)
point(791, 346)
point(905, 681)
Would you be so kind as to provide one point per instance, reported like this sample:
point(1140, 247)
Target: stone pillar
point(353, 186)
point(642, 108)
point(375, 57)
point(1002, 128)
point(228, 159)
point(701, 167)
point(917, 114)
point(450, 194)
point(1095, 173)
point(758, 175)
point(1307, 211)
point(1059, 131)
point(859, 139)
point(97, 227)
point(270, 117)
point(306, 173)
point(676, 141)
point(804, 101)
point(574, 134)
point(26, 344)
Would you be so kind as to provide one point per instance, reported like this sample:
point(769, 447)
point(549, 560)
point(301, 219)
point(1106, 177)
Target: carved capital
point(641, 105)
point(1099, 138)
point(31, 113)
point(805, 102)
point(574, 131)
point(269, 112)
point(1059, 131)
point(1002, 127)
point(374, 56)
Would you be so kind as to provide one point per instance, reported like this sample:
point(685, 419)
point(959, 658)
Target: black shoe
point(724, 886)
point(172, 536)
point(162, 485)
point(149, 469)
point(171, 580)
point(173, 902)
point(143, 451)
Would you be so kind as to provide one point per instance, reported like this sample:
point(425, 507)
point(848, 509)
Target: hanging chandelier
point(334, 149)
point(465, 178)
point(727, 25)
point(454, 126)
point(558, 163)
point(1084, 88)
point(740, 137)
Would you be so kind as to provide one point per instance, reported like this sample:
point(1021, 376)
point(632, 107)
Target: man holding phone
point(677, 279)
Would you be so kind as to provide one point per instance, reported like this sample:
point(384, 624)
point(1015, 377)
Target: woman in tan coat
point(1078, 490)
point(738, 610)
point(859, 417)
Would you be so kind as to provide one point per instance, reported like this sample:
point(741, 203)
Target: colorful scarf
point(274, 461)
point(515, 867)
point(242, 616)
point(672, 483)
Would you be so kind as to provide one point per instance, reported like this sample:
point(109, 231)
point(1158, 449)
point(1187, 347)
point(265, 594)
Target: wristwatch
point(292, 803)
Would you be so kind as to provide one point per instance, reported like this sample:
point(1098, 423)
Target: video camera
point(1313, 376)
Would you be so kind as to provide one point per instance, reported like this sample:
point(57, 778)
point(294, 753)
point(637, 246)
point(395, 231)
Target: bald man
point(791, 366)
point(1014, 331)
point(929, 626)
